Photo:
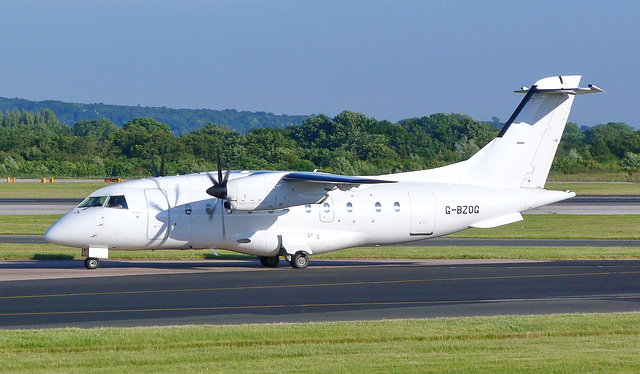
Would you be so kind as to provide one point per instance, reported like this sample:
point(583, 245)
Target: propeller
point(219, 191)
point(219, 188)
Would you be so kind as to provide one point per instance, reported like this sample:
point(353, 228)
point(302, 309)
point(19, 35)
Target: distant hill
point(180, 120)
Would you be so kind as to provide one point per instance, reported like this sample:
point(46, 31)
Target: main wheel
point(270, 262)
point(91, 263)
point(299, 261)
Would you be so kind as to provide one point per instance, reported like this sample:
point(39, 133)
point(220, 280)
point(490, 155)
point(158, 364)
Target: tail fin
point(522, 154)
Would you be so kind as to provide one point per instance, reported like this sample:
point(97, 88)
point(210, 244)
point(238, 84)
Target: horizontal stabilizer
point(330, 178)
point(495, 222)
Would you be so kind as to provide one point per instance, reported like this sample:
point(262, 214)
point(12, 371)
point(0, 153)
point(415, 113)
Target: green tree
point(631, 162)
point(98, 129)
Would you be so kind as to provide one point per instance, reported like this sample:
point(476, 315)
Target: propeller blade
point(155, 169)
point(224, 229)
point(219, 168)
point(226, 176)
point(219, 202)
point(162, 165)
point(213, 180)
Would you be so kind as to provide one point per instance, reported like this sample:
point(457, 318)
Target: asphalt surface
point(236, 292)
point(593, 204)
point(33, 206)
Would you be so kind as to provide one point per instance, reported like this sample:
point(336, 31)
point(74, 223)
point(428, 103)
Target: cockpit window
point(117, 201)
point(93, 201)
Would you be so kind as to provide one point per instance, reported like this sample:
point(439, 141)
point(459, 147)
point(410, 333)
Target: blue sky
point(387, 59)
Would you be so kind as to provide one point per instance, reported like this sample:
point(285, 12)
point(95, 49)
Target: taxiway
point(143, 293)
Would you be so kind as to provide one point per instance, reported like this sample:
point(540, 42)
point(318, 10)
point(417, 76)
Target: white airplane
point(273, 214)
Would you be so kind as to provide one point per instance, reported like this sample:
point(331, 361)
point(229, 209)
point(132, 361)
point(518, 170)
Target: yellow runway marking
point(337, 284)
point(320, 305)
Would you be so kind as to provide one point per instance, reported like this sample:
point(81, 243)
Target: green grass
point(485, 252)
point(9, 251)
point(597, 343)
point(26, 225)
point(78, 190)
point(596, 188)
point(15, 251)
point(596, 176)
point(563, 226)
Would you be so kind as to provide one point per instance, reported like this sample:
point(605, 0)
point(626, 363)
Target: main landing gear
point(91, 263)
point(300, 260)
point(270, 262)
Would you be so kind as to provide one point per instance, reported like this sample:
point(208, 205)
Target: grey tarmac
point(144, 293)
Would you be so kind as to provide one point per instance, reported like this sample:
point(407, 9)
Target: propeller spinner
point(219, 188)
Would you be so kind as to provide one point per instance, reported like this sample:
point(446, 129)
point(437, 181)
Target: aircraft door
point(157, 214)
point(326, 210)
point(423, 212)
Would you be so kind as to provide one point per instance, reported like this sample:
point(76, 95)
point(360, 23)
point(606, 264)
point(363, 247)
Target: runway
point(33, 206)
point(235, 292)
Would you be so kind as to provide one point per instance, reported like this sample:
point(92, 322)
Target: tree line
point(37, 144)
point(180, 120)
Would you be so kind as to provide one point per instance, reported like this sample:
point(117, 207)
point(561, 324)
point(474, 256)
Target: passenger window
point(396, 206)
point(378, 207)
point(118, 202)
point(93, 201)
point(187, 209)
point(307, 208)
point(349, 207)
point(209, 209)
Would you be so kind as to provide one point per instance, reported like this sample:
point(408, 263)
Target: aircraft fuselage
point(175, 212)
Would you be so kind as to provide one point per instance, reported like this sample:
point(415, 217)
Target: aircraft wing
point(300, 176)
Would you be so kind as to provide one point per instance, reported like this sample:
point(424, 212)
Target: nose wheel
point(91, 263)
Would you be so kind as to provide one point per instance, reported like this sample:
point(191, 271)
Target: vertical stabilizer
point(522, 154)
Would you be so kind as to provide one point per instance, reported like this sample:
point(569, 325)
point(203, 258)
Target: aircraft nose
point(55, 234)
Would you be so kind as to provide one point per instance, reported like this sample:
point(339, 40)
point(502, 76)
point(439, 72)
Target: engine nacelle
point(267, 191)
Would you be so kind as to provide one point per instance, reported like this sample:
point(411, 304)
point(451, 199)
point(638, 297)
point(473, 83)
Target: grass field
point(78, 190)
point(596, 188)
point(595, 343)
point(26, 225)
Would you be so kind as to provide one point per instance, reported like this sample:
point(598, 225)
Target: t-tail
point(522, 154)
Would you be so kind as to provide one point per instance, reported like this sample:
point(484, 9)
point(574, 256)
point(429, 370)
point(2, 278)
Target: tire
point(91, 263)
point(270, 262)
point(300, 260)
